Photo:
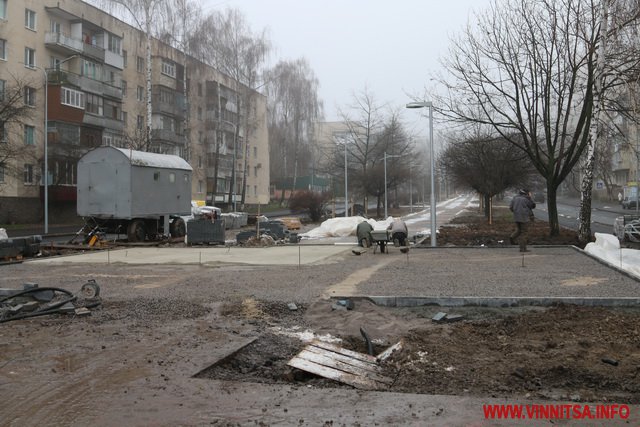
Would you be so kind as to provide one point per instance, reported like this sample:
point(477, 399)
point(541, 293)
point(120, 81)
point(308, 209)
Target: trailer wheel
point(136, 231)
point(178, 228)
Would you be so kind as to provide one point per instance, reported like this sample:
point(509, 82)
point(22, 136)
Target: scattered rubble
point(32, 301)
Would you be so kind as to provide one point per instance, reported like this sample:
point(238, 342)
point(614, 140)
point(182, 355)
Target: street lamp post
point(346, 199)
point(432, 201)
point(385, 182)
point(46, 143)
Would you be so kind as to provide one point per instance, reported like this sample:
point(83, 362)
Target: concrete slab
point(274, 255)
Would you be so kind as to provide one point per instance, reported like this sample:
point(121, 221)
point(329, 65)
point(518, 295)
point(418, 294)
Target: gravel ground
point(139, 360)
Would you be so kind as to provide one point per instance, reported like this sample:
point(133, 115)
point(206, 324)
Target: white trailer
point(141, 194)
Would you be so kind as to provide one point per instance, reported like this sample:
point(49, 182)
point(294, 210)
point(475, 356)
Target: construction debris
point(31, 301)
point(389, 352)
point(330, 361)
point(442, 317)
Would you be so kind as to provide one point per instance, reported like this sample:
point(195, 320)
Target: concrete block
point(450, 318)
point(347, 303)
point(338, 307)
point(82, 311)
point(439, 317)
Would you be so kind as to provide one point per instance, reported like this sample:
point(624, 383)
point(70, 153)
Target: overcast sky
point(391, 47)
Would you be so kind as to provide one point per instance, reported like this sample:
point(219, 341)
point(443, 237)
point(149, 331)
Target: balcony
point(174, 109)
point(114, 59)
point(84, 83)
point(167, 135)
point(103, 122)
point(63, 43)
point(93, 51)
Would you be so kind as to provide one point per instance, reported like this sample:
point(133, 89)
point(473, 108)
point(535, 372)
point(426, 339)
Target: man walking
point(521, 206)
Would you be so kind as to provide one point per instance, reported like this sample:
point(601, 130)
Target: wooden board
point(339, 364)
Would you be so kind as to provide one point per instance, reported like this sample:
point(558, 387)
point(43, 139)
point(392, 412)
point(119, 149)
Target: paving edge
point(607, 264)
point(502, 302)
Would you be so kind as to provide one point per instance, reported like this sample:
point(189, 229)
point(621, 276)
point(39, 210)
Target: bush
point(310, 201)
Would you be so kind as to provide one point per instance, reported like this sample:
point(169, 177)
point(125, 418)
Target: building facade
point(83, 75)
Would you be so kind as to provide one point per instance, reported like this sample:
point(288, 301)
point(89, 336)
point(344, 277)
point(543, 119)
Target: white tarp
point(607, 248)
point(3, 234)
point(343, 227)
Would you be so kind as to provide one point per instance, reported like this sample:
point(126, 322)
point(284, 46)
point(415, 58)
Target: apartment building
point(83, 75)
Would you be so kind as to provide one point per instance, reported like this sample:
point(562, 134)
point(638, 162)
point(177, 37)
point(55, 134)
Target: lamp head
point(419, 104)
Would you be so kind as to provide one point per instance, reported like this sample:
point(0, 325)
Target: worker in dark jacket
point(521, 206)
point(363, 231)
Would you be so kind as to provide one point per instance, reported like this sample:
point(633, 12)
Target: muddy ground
point(168, 341)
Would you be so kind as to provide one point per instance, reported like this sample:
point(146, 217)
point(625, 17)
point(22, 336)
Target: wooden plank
point(338, 349)
point(333, 374)
point(328, 361)
point(389, 351)
point(370, 367)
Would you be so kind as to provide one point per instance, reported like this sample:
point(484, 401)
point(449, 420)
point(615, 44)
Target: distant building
point(303, 183)
point(95, 70)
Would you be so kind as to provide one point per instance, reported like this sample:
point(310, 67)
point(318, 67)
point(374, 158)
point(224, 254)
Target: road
point(603, 214)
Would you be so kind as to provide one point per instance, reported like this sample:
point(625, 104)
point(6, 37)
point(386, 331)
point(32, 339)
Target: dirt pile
point(473, 229)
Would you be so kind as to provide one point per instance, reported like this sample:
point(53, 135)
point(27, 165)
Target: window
point(1, 172)
point(124, 58)
point(200, 186)
point(55, 26)
point(255, 152)
point(29, 57)
point(30, 19)
point(3, 9)
point(112, 109)
point(140, 122)
point(140, 93)
point(94, 104)
point(3, 49)
point(123, 86)
point(124, 117)
point(156, 176)
point(91, 70)
point(172, 177)
point(199, 89)
point(166, 96)
point(168, 68)
point(140, 64)
point(114, 44)
point(3, 133)
point(168, 123)
point(2, 85)
point(29, 135)
point(72, 98)
point(28, 173)
point(255, 171)
point(29, 96)
point(199, 161)
point(199, 113)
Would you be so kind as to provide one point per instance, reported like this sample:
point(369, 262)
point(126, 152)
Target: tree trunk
point(595, 127)
point(148, 83)
point(552, 210)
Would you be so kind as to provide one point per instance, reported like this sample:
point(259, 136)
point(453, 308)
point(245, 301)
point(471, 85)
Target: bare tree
point(225, 41)
point(369, 134)
point(488, 165)
point(142, 14)
point(294, 106)
point(394, 142)
point(13, 114)
point(527, 71)
point(617, 56)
